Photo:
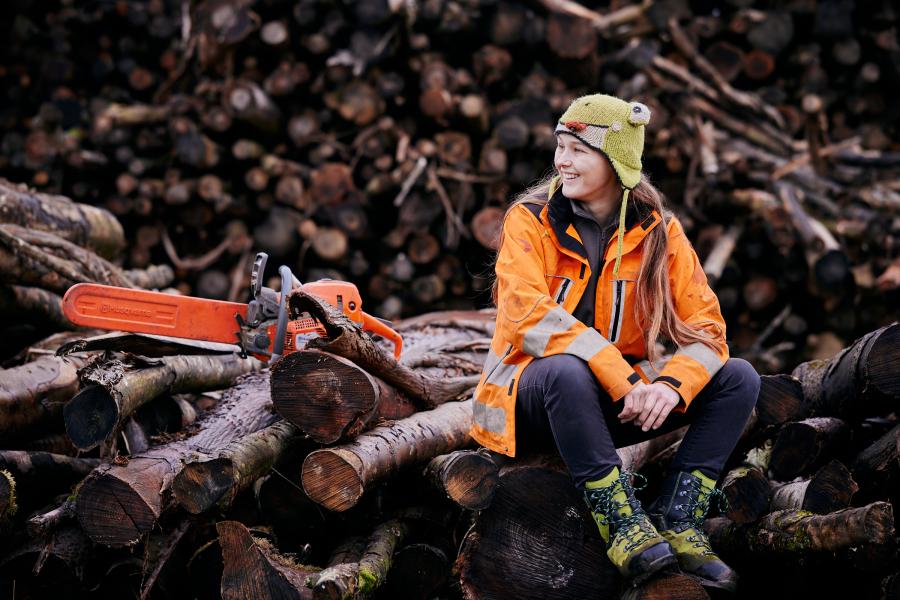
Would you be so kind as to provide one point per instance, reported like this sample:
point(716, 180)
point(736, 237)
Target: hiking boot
point(678, 514)
point(633, 544)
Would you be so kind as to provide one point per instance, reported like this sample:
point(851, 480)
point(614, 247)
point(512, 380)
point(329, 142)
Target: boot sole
point(653, 568)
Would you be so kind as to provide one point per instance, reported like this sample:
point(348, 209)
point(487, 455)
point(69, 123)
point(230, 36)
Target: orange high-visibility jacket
point(542, 271)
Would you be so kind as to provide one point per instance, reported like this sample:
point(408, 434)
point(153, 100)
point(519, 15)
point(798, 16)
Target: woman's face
point(586, 174)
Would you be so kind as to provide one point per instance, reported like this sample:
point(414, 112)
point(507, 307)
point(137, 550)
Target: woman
point(591, 269)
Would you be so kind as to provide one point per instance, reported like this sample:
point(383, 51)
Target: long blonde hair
point(654, 308)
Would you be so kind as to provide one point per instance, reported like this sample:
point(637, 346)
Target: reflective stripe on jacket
point(542, 272)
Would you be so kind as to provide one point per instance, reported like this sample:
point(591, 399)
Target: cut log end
point(883, 358)
point(111, 512)
point(321, 394)
point(199, 486)
point(90, 417)
point(341, 489)
point(472, 480)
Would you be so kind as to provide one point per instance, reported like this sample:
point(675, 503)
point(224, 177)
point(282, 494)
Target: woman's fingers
point(633, 405)
point(654, 414)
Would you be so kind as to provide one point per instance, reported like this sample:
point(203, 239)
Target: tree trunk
point(201, 485)
point(337, 477)
point(748, 492)
point(119, 503)
point(857, 382)
point(114, 390)
point(254, 570)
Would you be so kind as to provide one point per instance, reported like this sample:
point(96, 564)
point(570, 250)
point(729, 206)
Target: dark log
point(829, 490)
point(40, 475)
point(201, 485)
point(252, 568)
point(877, 468)
point(119, 503)
point(419, 571)
point(113, 390)
point(41, 259)
point(550, 546)
point(780, 400)
point(540, 526)
point(857, 381)
point(34, 302)
point(42, 524)
point(329, 398)
point(81, 224)
point(748, 492)
point(53, 567)
point(360, 579)
point(34, 393)
point(792, 534)
point(667, 586)
point(467, 477)
point(337, 477)
point(346, 340)
point(801, 445)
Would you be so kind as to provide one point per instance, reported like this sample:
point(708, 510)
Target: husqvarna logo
point(124, 310)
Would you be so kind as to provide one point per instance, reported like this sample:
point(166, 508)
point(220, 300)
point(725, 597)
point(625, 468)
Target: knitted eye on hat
point(615, 128)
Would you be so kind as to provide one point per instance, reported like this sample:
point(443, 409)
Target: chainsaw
point(260, 328)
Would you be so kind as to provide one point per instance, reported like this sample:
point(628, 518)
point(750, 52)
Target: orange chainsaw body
point(143, 311)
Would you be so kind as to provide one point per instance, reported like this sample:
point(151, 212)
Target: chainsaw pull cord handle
point(287, 281)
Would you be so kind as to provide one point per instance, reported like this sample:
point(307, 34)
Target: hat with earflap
point(614, 128)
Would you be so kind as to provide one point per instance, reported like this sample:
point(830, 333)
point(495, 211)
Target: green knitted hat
point(615, 128)
point(612, 126)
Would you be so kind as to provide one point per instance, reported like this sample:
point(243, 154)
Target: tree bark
point(829, 490)
point(857, 382)
point(33, 394)
point(114, 390)
point(360, 579)
point(794, 533)
point(201, 485)
point(254, 570)
point(877, 468)
point(119, 503)
point(41, 259)
point(337, 477)
point(82, 224)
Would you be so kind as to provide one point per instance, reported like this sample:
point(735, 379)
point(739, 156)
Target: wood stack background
point(160, 144)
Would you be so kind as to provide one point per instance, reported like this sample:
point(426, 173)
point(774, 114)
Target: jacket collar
point(640, 219)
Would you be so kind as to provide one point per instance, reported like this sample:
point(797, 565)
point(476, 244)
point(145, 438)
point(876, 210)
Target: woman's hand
point(659, 400)
point(634, 403)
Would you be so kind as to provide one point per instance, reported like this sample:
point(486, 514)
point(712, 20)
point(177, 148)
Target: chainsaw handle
point(377, 327)
point(287, 280)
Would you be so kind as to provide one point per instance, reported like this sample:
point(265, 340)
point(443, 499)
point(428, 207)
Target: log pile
point(381, 143)
point(162, 143)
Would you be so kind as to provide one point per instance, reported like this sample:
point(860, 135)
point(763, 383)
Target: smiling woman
point(583, 291)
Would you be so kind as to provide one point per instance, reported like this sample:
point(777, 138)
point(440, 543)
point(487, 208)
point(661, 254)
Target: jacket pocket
point(563, 290)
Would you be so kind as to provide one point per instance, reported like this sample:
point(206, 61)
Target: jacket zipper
point(614, 333)
point(499, 362)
